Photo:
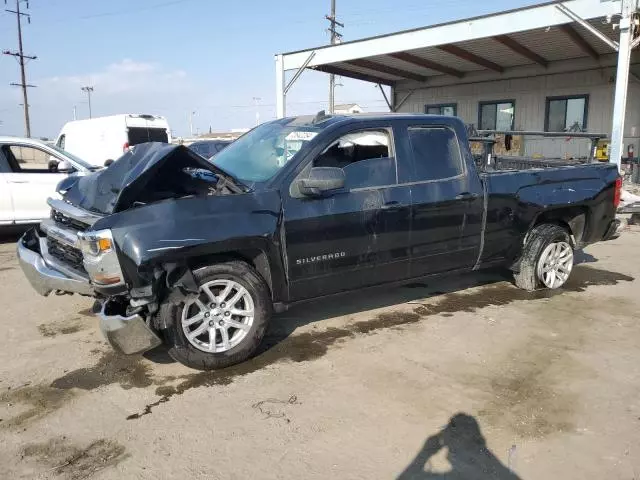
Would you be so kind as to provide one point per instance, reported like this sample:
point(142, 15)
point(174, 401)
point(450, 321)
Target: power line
point(335, 38)
point(20, 56)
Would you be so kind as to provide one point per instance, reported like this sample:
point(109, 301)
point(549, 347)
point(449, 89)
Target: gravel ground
point(467, 375)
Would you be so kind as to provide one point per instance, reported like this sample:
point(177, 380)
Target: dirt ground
point(468, 376)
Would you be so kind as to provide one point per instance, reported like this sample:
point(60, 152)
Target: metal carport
point(570, 36)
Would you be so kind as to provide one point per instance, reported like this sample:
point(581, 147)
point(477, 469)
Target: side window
point(497, 115)
point(436, 153)
point(4, 163)
point(61, 141)
point(446, 109)
point(365, 156)
point(31, 160)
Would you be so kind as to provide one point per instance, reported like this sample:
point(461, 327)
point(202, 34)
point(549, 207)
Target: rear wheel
point(547, 258)
point(224, 323)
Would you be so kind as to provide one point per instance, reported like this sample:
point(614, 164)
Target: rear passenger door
point(446, 198)
point(355, 237)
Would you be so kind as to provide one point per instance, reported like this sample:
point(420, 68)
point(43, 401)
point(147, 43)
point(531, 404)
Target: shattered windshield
point(260, 154)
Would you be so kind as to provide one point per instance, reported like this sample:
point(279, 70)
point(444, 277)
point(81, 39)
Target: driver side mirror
point(321, 180)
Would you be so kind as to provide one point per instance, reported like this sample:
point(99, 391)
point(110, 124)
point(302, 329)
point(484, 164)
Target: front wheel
point(224, 323)
point(547, 258)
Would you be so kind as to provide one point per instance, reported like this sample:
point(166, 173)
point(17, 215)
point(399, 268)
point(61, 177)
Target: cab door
point(31, 181)
point(357, 236)
point(447, 202)
point(6, 205)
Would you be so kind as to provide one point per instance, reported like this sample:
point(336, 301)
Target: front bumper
point(126, 335)
point(45, 273)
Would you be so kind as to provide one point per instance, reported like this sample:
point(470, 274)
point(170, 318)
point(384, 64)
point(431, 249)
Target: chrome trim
point(54, 263)
point(46, 278)
point(67, 236)
point(127, 335)
point(74, 212)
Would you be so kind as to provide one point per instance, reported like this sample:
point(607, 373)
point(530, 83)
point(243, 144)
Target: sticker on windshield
point(304, 136)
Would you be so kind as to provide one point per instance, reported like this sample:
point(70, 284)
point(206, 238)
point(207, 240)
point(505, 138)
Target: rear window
point(436, 153)
point(142, 134)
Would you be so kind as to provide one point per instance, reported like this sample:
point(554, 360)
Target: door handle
point(392, 205)
point(18, 181)
point(466, 196)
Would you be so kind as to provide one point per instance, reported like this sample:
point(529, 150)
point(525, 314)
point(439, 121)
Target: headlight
point(100, 258)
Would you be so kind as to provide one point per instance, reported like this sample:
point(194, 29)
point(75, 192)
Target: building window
point(566, 114)
point(496, 115)
point(446, 109)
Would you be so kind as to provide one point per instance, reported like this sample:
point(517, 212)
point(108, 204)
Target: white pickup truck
point(29, 172)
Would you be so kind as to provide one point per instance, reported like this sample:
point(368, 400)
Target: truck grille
point(64, 221)
point(66, 254)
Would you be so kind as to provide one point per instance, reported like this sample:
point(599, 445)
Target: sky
point(176, 57)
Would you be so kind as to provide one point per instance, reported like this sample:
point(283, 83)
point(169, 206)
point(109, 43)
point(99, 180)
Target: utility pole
point(335, 38)
point(191, 114)
point(89, 90)
point(21, 57)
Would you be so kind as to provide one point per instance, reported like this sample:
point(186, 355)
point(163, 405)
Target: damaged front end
point(80, 248)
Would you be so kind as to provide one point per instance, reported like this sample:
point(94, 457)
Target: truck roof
point(322, 119)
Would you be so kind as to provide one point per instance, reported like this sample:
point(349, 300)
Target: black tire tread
point(182, 351)
point(538, 238)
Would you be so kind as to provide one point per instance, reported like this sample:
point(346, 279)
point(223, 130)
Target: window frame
point(441, 106)
point(496, 103)
point(585, 114)
point(463, 172)
point(309, 163)
point(30, 171)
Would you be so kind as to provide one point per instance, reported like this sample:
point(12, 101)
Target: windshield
point(72, 157)
point(260, 154)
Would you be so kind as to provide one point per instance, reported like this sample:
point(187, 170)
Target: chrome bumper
point(126, 335)
point(45, 274)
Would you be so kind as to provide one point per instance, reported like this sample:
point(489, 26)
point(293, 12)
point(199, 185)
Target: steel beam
point(470, 57)
point(576, 18)
point(404, 99)
point(386, 99)
point(343, 72)
point(379, 67)
point(578, 40)
point(622, 81)
point(520, 49)
point(281, 97)
point(299, 72)
point(423, 62)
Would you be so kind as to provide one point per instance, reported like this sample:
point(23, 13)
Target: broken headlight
point(100, 258)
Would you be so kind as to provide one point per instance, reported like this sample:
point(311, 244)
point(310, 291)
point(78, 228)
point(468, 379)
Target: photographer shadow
point(467, 453)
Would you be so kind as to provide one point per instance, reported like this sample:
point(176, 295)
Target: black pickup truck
point(198, 254)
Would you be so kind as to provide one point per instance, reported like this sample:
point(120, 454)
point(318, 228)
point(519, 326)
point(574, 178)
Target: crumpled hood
point(116, 187)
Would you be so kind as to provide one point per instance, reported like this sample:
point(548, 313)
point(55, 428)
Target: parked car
point(198, 254)
point(102, 140)
point(29, 172)
point(208, 148)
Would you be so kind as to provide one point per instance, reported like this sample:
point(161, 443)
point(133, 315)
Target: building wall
point(530, 100)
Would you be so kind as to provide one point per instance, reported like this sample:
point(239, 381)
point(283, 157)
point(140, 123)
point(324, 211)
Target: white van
point(104, 139)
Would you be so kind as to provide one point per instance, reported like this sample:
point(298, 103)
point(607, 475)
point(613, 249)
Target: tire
point(197, 353)
point(529, 276)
